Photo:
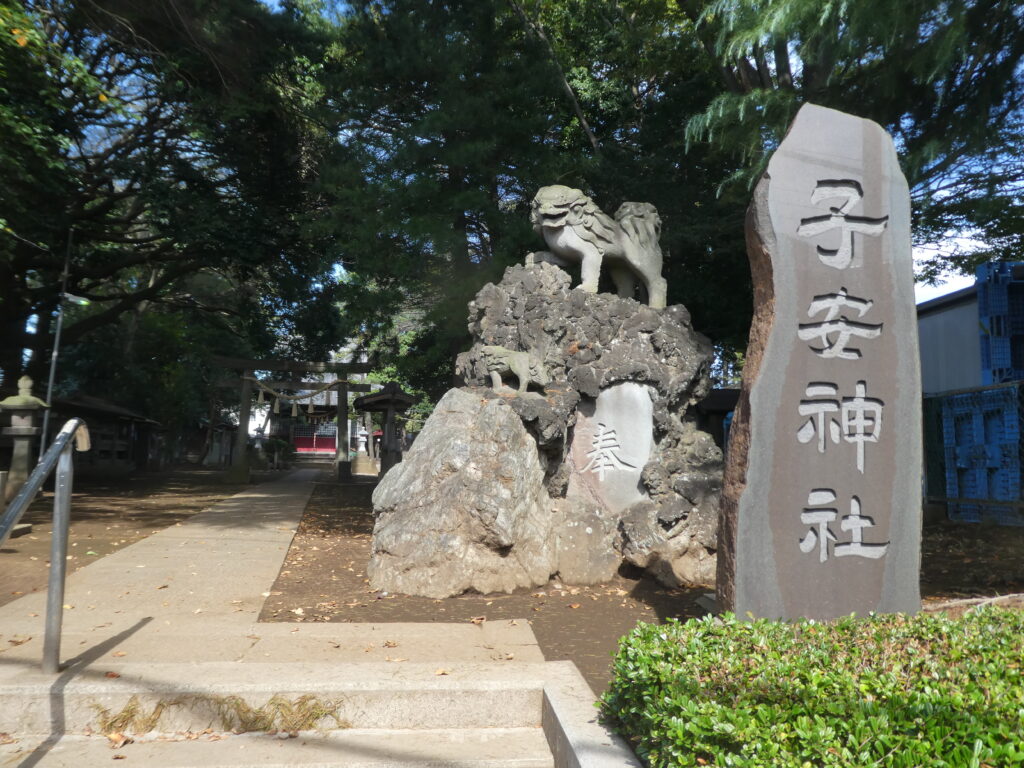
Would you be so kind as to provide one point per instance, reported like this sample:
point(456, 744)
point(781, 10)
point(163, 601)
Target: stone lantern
point(390, 401)
point(23, 431)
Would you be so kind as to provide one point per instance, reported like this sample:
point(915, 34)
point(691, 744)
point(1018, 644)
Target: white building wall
point(950, 346)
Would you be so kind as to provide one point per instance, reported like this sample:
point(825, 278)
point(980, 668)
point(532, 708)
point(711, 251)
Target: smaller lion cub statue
point(500, 361)
point(577, 231)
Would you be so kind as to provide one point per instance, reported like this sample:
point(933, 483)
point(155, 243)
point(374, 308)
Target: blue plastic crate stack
point(982, 444)
point(1001, 315)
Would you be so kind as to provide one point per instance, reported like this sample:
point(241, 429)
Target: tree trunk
point(208, 440)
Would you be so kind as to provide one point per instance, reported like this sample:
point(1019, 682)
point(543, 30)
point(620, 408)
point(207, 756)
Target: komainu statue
point(576, 230)
point(522, 365)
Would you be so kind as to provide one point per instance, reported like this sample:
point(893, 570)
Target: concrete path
point(193, 592)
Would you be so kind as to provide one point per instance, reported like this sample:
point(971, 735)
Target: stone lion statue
point(577, 231)
point(522, 365)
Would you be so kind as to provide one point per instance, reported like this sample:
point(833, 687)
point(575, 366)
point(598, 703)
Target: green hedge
point(887, 690)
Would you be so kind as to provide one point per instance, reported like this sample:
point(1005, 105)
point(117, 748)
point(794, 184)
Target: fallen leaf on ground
point(574, 605)
point(478, 620)
point(390, 644)
point(5, 738)
point(119, 653)
point(298, 611)
point(118, 739)
point(441, 671)
point(112, 675)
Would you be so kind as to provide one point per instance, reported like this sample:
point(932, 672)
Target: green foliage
point(263, 145)
point(452, 115)
point(166, 140)
point(283, 449)
point(445, 121)
point(907, 692)
point(944, 78)
point(640, 75)
point(155, 361)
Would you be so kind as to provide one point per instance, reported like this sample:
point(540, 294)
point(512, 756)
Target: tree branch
point(536, 30)
point(88, 324)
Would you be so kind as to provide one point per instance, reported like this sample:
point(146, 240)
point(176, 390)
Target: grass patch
point(893, 690)
point(133, 717)
point(227, 713)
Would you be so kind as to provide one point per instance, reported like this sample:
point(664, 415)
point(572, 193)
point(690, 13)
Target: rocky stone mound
point(595, 459)
point(466, 508)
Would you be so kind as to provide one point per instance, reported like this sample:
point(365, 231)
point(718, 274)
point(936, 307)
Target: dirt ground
point(323, 579)
point(107, 514)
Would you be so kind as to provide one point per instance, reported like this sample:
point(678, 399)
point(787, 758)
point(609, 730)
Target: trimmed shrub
point(887, 690)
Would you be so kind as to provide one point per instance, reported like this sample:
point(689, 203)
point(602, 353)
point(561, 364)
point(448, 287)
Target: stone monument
point(571, 449)
point(821, 506)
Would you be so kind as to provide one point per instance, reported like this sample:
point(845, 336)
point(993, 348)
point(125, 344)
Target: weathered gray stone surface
point(499, 492)
point(597, 348)
point(466, 509)
point(586, 542)
point(821, 505)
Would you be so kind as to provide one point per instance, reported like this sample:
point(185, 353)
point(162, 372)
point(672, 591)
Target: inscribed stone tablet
point(822, 498)
point(612, 442)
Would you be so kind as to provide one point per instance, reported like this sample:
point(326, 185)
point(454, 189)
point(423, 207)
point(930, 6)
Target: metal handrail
point(57, 455)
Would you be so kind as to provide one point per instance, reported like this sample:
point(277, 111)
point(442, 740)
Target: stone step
point(322, 701)
point(355, 748)
point(225, 696)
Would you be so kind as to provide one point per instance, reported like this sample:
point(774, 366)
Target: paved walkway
point(192, 593)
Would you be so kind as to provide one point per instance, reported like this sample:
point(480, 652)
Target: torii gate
point(238, 472)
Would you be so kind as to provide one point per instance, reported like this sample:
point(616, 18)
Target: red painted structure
point(315, 439)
